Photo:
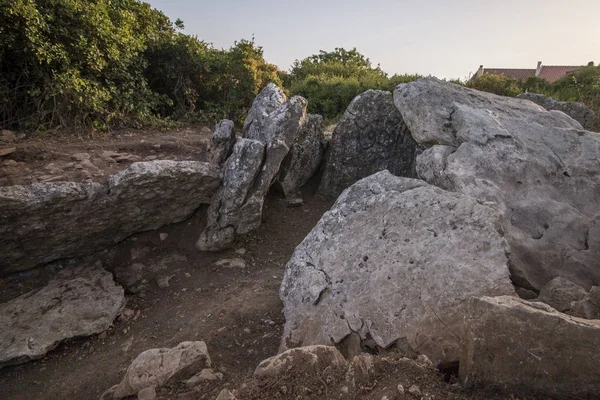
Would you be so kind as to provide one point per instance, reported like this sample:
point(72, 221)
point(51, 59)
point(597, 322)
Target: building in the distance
point(550, 73)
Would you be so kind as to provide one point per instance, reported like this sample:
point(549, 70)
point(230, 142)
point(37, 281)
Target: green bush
point(497, 84)
point(330, 80)
point(98, 63)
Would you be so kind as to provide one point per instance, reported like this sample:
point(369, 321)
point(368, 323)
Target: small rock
point(414, 390)
point(127, 158)
point(240, 251)
point(151, 158)
point(126, 315)
point(7, 150)
point(206, 374)
point(162, 367)
point(109, 154)
point(7, 136)
point(385, 398)
point(148, 393)
point(400, 389)
point(163, 236)
point(424, 361)
point(163, 282)
point(81, 157)
point(345, 389)
point(225, 395)
point(10, 163)
point(102, 335)
point(231, 263)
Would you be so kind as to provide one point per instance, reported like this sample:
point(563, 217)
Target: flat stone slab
point(79, 302)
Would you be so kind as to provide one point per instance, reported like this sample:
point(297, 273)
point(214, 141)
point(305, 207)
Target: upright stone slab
point(370, 137)
point(249, 172)
point(303, 160)
point(395, 260)
point(540, 168)
point(222, 141)
point(239, 173)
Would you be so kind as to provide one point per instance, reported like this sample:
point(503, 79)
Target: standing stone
point(519, 346)
point(79, 302)
point(268, 100)
point(278, 135)
point(395, 259)
point(239, 173)
point(269, 132)
point(221, 144)
point(539, 167)
point(370, 137)
point(578, 111)
point(303, 159)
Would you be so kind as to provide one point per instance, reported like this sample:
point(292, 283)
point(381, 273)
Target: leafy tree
point(330, 80)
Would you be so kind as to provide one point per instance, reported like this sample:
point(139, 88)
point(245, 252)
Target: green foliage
point(75, 62)
point(582, 86)
point(498, 84)
point(99, 63)
point(330, 80)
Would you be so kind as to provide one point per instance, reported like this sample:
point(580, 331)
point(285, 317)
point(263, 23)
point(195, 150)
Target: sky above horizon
point(447, 39)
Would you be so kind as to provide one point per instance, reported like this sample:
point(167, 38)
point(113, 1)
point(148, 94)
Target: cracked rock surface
point(394, 259)
point(540, 168)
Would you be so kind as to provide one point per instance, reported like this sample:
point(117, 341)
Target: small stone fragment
point(7, 150)
point(231, 263)
point(148, 393)
point(163, 236)
point(414, 390)
point(400, 389)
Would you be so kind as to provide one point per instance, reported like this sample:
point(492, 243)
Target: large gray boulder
point(237, 207)
point(370, 137)
point(303, 160)
point(79, 302)
point(48, 221)
point(222, 141)
point(578, 111)
point(395, 259)
point(540, 168)
point(518, 346)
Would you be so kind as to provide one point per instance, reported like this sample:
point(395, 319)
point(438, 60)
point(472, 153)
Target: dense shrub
point(330, 80)
point(498, 84)
point(98, 63)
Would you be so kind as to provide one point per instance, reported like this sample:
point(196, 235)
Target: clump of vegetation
point(96, 63)
point(498, 84)
point(330, 80)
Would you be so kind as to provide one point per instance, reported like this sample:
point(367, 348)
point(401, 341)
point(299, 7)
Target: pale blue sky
point(448, 39)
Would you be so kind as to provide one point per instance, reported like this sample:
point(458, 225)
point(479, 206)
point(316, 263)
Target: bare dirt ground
point(94, 157)
point(236, 310)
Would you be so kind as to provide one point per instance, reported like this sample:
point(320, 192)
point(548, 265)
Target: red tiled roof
point(552, 73)
point(521, 74)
